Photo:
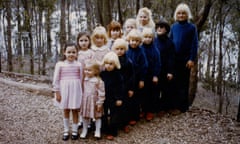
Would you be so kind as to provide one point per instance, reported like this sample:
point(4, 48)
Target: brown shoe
point(126, 129)
point(109, 137)
point(132, 122)
point(149, 116)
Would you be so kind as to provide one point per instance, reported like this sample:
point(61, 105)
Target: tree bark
point(9, 36)
point(62, 25)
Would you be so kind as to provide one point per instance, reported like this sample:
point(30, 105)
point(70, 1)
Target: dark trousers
point(111, 119)
point(238, 115)
point(150, 94)
point(168, 98)
point(182, 86)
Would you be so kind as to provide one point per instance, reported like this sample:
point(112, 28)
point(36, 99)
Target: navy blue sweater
point(153, 58)
point(167, 51)
point(114, 86)
point(185, 38)
point(140, 63)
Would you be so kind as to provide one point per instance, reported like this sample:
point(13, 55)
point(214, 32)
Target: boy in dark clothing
point(166, 47)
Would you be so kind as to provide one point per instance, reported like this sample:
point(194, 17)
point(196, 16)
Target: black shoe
point(74, 136)
point(65, 136)
point(80, 125)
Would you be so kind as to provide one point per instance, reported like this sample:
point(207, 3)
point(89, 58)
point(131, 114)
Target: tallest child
point(185, 38)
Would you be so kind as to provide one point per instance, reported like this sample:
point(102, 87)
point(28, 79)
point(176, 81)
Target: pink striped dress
point(68, 80)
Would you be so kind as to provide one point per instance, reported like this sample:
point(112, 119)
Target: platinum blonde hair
point(147, 31)
point(113, 58)
point(183, 7)
point(135, 34)
point(99, 31)
point(149, 14)
point(120, 43)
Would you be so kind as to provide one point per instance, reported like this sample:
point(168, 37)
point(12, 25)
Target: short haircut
point(101, 32)
point(120, 43)
point(134, 34)
point(112, 57)
point(114, 25)
point(183, 7)
point(130, 21)
point(147, 31)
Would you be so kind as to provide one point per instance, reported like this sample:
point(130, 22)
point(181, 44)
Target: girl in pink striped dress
point(67, 84)
point(93, 98)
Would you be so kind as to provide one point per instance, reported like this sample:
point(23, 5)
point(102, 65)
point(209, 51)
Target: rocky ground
point(29, 117)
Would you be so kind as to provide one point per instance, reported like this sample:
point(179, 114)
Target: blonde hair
point(112, 57)
point(91, 63)
point(134, 34)
point(149, 14)
point(101, 32)
point(130, 21)
point(183, 7)
point(147, 31)
point(120, 43)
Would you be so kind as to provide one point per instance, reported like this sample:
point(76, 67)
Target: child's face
point(84, 42)
point(161, 30)
point(89, 72)
point(120, 51)
point(129, 27)
point(134, 43)
point(115, 34)
point(147, 39)
point(109, 66)
point(182, 15)
point(143, 18)
point(71, 53)
point(99, 41)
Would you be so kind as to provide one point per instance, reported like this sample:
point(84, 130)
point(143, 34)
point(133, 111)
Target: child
point(120, 47)
point(84, 53)
point(185, 38)
point(84, 45)
point(114, 88)
point(99, 41)
point(151, 80)
point(129, 25)
point(114, 32)
point(137, 56)
point(167, 51)
point(93, 98)
point(67, 84)
point(144, 19)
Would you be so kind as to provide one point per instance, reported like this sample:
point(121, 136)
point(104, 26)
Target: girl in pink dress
point(93, 98)
point(84, 53)
point(67, 85)
point(99, 43)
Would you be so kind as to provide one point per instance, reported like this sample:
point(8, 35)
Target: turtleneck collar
point(183, 22)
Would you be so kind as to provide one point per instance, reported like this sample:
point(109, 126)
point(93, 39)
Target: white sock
point(66, 124)
point(98, 124)
point(85, 128)
point(74, 128)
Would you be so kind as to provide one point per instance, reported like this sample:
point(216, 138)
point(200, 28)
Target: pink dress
point(93, 95)
point(67, 79)
point(85, 55)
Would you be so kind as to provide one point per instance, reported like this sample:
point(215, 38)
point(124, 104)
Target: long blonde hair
point(183, 7)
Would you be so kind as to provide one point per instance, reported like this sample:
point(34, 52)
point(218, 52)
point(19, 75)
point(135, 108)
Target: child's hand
point(155, 80)
point(130, 93)
point(141, 84)
point(118, 103)
point(58, 96)
point(169, 76)
point(190, 64)
point(99, 108)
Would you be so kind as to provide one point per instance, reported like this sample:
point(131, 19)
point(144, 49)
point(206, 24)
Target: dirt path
point(28, 118)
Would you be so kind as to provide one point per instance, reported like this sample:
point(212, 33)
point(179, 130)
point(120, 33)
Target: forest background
point(33, 32)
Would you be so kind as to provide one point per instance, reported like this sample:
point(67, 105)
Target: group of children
point(115, 78)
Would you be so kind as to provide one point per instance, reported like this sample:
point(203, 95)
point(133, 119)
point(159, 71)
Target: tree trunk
point(19, 42)
point(62, 25)
point(120, 13)
point(9, 36)
point(89, 15)
point(194, 71)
